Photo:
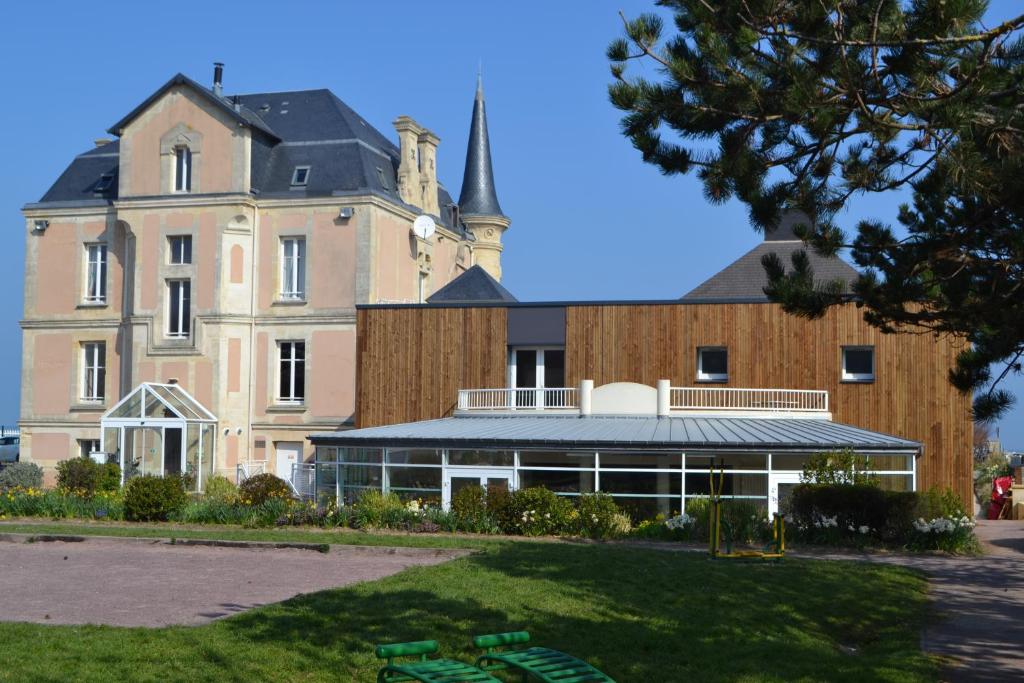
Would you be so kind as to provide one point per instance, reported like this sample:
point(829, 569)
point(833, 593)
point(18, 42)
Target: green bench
point(541, 663)
point(426, 670)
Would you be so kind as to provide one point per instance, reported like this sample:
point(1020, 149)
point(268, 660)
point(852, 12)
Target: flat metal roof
point(626, 431)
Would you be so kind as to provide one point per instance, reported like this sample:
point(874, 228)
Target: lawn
point(642, 615)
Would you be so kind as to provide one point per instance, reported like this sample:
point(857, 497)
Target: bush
point(257, 490)
point(85, 477)
point(743, 522)
point(26, 475)
point(470, 509)
point(378, 510)
point(220, 489)
point(153, 499)
point(838, 468)
point(598, 516)
point(537, 511)
point(59, 504)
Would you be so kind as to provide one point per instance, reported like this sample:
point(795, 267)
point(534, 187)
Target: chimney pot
point(218, 77)
point(99, 142)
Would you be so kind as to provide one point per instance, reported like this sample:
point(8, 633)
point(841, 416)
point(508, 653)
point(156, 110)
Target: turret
point(478, 202)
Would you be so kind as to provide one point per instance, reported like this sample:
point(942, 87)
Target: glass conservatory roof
point(150, 401)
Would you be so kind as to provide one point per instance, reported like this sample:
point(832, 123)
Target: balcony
point(663, 400)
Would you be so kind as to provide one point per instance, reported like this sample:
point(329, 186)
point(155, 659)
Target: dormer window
point(104, 183)
point(300, 176)
point(182, 169)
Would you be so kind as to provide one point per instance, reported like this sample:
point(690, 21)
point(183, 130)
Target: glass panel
point(733, 485)
point(786, 461)
point(641, 460)
point(192, 449)
point(326, 454)
point(358, 478)
point(110, 443)
point(859, 361)
point(209, 454)
point(326, 481)
point(143, 451)
point(360, 455)
point(131, 407)
point(667, 483)
point(500, 458)
point(459, 483)
point(156, 408)
point(401, 456)
point(785, 493)
point(882, 463)
point(416, 482)
point(172, 450)
point(526, 368)
point(567, 481)
point(555, 459)
point(177, 401)
point(895, 482)
point(714, 362)
point(728, 461)
point(647, 508)
point(554, 368)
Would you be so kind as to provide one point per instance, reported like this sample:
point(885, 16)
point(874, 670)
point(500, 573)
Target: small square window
point(180, 248)
point(300, 176)
point(858, 364)
point(712, 364)
point(381, 177)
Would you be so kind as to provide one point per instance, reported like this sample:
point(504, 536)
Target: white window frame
point(857, 376)
point(93, 379)
point(300, 182)
point(176, 250)
point(293, 268)
point(712, 376)
point(184, 328)
point(94, 446)
point(95, 273)
point(286, 395)
point(182, 169)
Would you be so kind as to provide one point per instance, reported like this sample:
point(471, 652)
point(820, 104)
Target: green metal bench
point(541, 663)
point(426, 670)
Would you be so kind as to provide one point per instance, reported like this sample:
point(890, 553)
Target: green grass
point(641, 615)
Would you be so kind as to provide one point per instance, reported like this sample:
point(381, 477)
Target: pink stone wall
point(59, 256)
point(332, 378)
point(206, 262)
point(47, 451)
point(332, 260)
point(237, 265)
point(149, 257)
point(234, 365)
point(260, 407)
point(396, 268)
point(175, 370)
point(53, 380)
point(204, 383)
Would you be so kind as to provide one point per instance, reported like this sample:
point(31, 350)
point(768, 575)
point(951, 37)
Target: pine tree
point(812, 104)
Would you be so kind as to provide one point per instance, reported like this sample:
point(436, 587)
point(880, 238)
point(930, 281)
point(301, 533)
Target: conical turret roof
point(479, 197)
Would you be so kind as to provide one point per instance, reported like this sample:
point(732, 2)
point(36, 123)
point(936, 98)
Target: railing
point(244, 470)
point(720, 398)
point(303, 480)
point(518, 399)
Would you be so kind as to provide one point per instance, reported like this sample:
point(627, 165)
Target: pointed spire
point(478, 194)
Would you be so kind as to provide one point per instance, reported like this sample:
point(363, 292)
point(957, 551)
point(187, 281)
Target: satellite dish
point(423, 227)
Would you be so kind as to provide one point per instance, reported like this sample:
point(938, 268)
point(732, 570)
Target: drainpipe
point(252, 332)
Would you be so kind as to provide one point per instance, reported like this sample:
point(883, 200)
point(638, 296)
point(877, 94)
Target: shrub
point(26, 475)
point(378, 510)
point(153, 499)
point(837, 468)
point(257, 490)
point(743, 522)
point(536, 511)
point(211, 511)
point(598, 516)
point(470, 510)
point(220, 489)
point(85, 477)
point(500, 509)
point(60, 504)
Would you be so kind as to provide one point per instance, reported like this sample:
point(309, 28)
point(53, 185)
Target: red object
point(1000, 492)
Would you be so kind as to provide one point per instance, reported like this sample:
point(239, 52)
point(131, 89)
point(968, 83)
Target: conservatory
point(160, 429)
point(652, 450)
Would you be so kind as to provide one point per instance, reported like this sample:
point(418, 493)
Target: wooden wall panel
point(910, 397)
point(412, 361)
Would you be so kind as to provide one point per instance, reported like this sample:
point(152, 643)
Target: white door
point(780, 487)
point(288, 453)
point(456, 479)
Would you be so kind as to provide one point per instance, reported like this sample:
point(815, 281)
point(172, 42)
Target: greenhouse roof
point(152, 401)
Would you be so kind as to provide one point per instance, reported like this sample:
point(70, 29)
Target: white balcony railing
point(773, 400)
point(518, 399)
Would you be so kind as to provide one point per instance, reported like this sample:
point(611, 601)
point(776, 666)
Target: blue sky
point(589, 219)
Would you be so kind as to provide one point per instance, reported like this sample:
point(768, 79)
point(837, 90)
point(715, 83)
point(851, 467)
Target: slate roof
point(479, 196)
point(473, 286)
point(744, 279)
point(346, 155)
point(601, 431)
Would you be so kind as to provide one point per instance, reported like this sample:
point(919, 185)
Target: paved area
point(149, 583)
point(979, 603)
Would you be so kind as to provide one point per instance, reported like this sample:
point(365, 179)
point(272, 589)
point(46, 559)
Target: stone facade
point(229, 358)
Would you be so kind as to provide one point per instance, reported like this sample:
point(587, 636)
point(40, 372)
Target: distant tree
point(982, 436)
point(807, 104)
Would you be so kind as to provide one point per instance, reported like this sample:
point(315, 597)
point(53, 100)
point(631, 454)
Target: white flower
point(679, 522)
point(863, 529)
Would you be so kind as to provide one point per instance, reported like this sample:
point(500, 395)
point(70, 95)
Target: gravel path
point(152, 583)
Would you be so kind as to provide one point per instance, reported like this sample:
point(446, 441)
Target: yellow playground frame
point(774, 550)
